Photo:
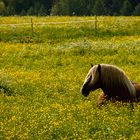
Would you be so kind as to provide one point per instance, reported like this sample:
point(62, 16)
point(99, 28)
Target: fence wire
point(59, 23)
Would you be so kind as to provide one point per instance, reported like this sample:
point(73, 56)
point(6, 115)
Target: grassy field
point(43, 72)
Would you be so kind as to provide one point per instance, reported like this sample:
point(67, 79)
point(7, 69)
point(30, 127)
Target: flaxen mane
point(115, 79)
point(112, 80)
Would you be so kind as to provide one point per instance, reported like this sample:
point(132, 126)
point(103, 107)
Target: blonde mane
point(115, 79)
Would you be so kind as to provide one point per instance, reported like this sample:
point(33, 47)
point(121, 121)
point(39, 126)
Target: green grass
point(44, 73)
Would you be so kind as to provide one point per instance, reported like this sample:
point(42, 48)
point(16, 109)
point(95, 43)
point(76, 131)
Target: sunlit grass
point(44, 74)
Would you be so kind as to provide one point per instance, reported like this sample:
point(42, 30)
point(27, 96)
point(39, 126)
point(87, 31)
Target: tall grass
point(44, 74)
point(19, 32)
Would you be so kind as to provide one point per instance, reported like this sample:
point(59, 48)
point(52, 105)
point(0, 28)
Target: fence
point(95, 21)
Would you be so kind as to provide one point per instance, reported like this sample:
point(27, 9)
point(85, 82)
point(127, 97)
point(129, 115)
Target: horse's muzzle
point(84, 92)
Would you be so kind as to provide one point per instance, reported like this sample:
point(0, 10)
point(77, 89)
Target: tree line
point(70, 7)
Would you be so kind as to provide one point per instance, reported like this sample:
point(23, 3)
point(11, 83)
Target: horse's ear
point(91, 65)
point(99, 68)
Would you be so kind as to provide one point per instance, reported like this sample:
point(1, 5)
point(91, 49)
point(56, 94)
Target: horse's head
point(92, 80)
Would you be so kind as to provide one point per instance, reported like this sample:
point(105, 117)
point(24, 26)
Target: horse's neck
point(106, 91)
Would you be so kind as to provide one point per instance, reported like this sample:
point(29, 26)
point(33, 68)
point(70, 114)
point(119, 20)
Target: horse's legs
point(101, 99)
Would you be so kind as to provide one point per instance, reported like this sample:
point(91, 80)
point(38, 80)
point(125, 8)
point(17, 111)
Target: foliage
point(67, 7)
point(99, 8)
point(60, 8)
point(127, 8)
point(137, 10)
point(44, 78)
point(2, 7)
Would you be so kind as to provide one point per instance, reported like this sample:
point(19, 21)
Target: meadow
point(43, 70)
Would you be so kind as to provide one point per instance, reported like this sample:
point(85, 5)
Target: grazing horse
point(113, 82)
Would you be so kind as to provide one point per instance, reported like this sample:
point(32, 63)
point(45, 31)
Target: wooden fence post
point(96, 24)
point(32, 27)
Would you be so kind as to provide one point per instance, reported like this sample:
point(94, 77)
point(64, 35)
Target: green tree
point(89, 6)
point(69, 7)
point(21, 6)
point(108, 6)
point(42, 11)
point(36, 7)
point(9, 11)
point(55, 9)
point(126, 8)
point(137, 10)
point(2, 7)
point(116, 6)
point(30, 11)
point(99, 8)
point(60, 8)
point(47, 5)
point(73, 7)
point(23, 13)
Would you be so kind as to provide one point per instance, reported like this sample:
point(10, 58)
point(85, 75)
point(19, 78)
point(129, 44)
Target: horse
point(113, 82)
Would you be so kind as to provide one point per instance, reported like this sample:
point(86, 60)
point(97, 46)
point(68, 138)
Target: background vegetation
point(69, 7)
point(43, 72)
